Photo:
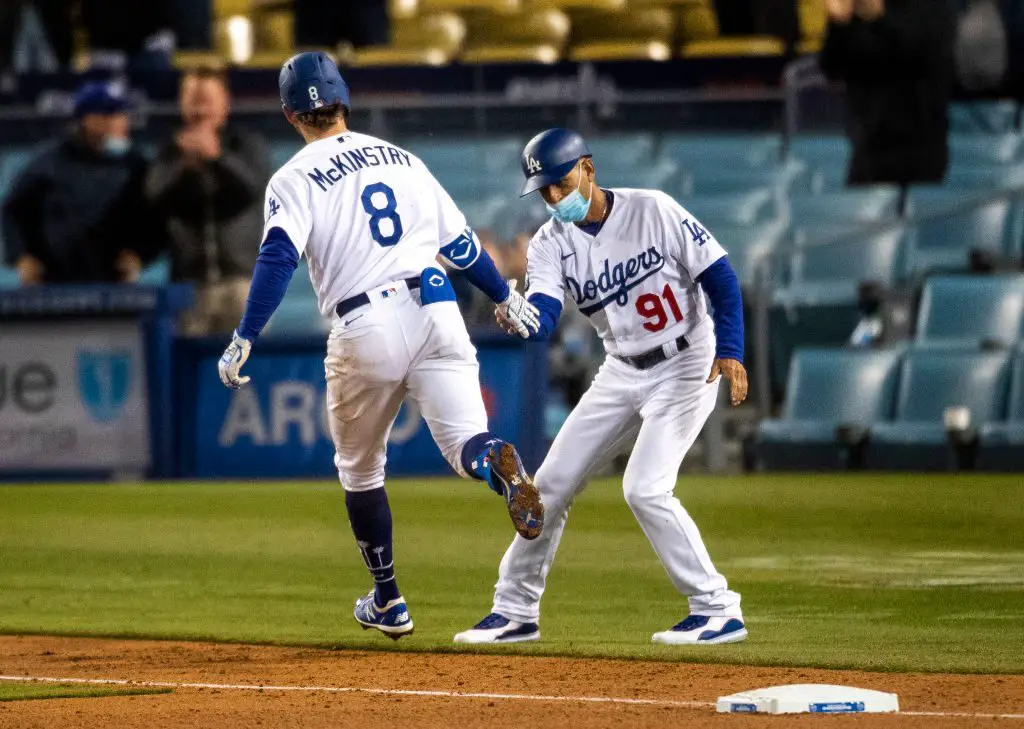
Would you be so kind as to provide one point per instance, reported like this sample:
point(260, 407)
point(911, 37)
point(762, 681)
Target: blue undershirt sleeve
point(275, 266)
point(550, 310)
point(723, 289)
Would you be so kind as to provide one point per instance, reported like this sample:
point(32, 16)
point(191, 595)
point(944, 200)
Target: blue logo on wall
point(104, 381)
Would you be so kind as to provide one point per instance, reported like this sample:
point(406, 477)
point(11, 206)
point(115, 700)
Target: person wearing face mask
point(661, 294)
point(207, 185)
point(76, 214)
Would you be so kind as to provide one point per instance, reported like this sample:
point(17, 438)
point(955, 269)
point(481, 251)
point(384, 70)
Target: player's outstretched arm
point(723, 289)
point(467, 255)
point(275, 266)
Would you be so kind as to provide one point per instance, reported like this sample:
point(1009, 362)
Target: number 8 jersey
point(364, 213)
point(636, 278)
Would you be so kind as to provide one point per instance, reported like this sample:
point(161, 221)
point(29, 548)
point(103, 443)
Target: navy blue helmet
point(311, 81)
point(550, 156)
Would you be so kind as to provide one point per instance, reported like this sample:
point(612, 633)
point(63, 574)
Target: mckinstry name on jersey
point(352, 160)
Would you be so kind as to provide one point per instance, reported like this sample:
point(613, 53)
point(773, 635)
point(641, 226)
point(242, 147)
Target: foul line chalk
point(439, 694)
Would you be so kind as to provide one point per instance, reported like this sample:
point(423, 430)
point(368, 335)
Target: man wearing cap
point(76, 214)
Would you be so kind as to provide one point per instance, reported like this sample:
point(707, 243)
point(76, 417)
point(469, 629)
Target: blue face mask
point(116, 146)
point(573, 207)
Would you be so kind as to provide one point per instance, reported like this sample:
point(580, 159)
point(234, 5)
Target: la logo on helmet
point(532, 165)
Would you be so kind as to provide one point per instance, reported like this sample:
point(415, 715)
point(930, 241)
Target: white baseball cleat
point(497, 628)
point(703, 630)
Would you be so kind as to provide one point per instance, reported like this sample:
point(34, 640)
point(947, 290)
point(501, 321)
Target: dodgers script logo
point(104, 382)
point(614, 282)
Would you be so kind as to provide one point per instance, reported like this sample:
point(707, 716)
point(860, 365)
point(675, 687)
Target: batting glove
point(232, 360)
point(520, 314)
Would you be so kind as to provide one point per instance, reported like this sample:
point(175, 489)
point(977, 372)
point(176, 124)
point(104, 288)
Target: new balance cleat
point(497, 628)
point(392, 620)
point(510, 479)
point(703, 630)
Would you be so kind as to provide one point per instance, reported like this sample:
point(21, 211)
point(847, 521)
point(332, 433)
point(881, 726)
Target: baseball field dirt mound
point(228, 686)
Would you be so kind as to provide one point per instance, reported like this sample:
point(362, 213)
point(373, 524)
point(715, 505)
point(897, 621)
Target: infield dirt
point(961, 700)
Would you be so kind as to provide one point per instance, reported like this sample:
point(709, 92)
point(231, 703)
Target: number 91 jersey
point(363, 212)
point(637, 278)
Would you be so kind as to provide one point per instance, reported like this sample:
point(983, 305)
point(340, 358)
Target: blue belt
point(656, 356)
point(354, 302)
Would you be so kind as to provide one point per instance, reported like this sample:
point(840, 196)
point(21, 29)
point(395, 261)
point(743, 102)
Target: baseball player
point(371, 221)
point(644, 270)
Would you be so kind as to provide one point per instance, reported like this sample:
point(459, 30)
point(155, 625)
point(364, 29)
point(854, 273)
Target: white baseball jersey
point(637, 278)
point(363, 212)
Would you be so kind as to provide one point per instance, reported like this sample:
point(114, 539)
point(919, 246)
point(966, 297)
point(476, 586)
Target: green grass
point(25, 691)
point(880, 572)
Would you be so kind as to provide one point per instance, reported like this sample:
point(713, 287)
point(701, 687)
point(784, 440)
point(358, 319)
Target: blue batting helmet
point(311, 81)
point(550, 156)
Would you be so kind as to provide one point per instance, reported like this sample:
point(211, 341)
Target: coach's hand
point(232, 360)
point(520, 316)
point(735, 373)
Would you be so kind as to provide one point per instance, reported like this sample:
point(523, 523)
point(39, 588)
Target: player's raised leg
point(676, 408)
point(598, 428)
point(445, 383)
point(364, 393)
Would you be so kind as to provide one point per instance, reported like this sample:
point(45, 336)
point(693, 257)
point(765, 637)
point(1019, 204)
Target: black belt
point(656, 356)
point(354, 302)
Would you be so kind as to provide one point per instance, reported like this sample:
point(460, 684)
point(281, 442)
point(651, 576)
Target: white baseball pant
point(663, 408)
point(382, 352)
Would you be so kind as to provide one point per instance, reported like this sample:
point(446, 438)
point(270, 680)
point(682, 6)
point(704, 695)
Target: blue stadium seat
point(618, 154)
point(475, 158)
point(657, 175)
point(697, 152)
point(8, 278)
point(972, 149)
point(826, 158)
point(971, 311)
point(983, 117)
point(484, 213)
point(934, 199)
point(1001, 444)
point(749, 245)
point(718, 179)
point(281, 151)
point(944, 243)
point(985, 177)
point(829, 274)
point(742, 208)
point(860, 205)
point(827, 388)
point(930, 382)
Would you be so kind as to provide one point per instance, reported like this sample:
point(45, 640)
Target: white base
point(809, 699)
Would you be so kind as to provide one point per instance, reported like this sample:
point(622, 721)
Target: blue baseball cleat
point(392, 620)
point(507, 476)
point(496, 628)
point(703, 630)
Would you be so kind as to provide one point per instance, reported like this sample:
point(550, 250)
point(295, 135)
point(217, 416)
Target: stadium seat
point(620, 154)
point(483, 213)
point(281, 151)
point(925, 200)
point(468, 158)
point(1002, 442)
point(636, 34)
point(827, 388)
point(743, 208)
point(830, 274)
point(827, 159)
point(719, 178)
point(857, 205)
point(537, 36)
point(971, 311)
point(696, 22)
point(610, 5)
point(944, 243)
point(426, 40)
point(813, 20)
point(985, 177)
point(982, 148)
point(930, 382)
point(737, 152)
point(984, 117)
point(658, 175)
point(464, 6)
point(734, 46)
point(747, 246)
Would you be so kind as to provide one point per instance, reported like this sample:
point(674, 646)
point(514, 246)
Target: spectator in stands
point(896, 57)
point(328, 22)
point(207, 186)
point(76, 214)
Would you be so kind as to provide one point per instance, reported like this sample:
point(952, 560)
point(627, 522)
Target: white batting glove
point(520, 314)
point(232, 360)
